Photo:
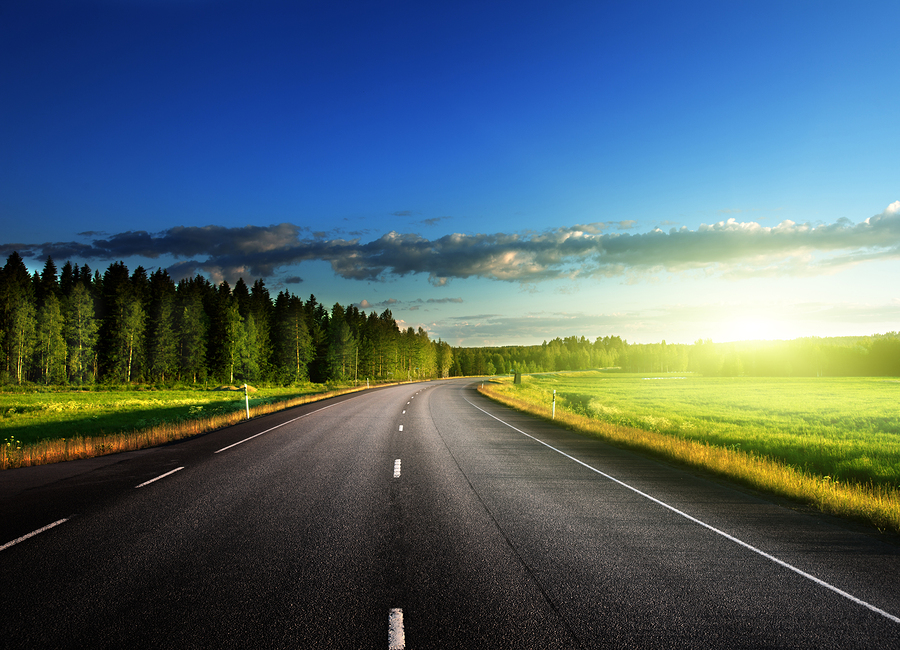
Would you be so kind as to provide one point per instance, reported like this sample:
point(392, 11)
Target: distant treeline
point(77, 327)
point(867, 356)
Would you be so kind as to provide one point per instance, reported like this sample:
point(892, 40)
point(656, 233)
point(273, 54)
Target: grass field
point(41, 427)
point(830, 434)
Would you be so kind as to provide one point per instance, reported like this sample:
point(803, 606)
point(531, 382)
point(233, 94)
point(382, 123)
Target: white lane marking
point(404, 410)
point(240, 442)
point(158, 477)
point(33, 533)
point(396, 635)
point(401, 427)
point(760, 552)
point(397, 468)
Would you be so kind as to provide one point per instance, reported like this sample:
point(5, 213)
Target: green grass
point(846, 428)
point(33, 417)
point(831, 442)
point(44, 427)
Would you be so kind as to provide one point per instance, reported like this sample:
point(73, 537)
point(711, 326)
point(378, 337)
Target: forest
point(74, 326)
point(77, 327)
point(863, 356)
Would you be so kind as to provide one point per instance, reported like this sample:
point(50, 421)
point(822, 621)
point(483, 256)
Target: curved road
point(422, 516)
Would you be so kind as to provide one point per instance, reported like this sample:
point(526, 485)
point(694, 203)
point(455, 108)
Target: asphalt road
point(423, 516)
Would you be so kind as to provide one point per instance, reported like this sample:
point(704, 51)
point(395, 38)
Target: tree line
point(869, 356)
point(75, 326)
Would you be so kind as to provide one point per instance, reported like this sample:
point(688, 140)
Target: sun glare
point(752, 329)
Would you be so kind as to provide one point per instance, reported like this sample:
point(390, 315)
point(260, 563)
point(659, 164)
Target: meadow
point(45, 427)
point(815, 439)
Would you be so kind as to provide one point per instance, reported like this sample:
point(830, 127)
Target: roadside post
point(553, 412)
point(247, 400)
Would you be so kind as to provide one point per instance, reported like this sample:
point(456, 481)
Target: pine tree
point(342, 347)
point(162, 343)
point(261, 309)
point(385, 336)
point(293, 344)
point(192, 329)
point(113, 292)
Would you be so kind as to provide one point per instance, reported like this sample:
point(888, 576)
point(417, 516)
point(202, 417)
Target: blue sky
point(497, 173)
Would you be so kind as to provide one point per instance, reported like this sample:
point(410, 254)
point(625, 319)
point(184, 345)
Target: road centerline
point(396, 635)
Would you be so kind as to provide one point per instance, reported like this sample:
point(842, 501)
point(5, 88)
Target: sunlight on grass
point(41, 428)
point(833, 443)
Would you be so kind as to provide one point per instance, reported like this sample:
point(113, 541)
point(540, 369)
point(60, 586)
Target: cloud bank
point(729, 248)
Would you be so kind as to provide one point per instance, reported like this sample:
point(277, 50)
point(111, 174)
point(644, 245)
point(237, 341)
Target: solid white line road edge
point(33, 533)
point(240, 442)
point(152, 480)
point(396, 635)
point(760, 552)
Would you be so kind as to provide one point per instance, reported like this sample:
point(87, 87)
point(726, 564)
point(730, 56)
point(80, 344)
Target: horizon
point(96, 272)
point(497, 174)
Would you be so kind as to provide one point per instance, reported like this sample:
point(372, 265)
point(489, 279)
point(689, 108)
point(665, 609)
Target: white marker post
point(247, 401)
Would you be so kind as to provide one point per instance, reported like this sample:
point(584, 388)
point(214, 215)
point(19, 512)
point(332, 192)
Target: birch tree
point(80, 333)
point(51, 346)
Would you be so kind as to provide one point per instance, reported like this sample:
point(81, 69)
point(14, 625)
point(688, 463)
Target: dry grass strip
point(874, 505)
point(54, 451)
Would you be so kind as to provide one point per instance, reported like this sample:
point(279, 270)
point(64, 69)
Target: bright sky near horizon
point(495, 172)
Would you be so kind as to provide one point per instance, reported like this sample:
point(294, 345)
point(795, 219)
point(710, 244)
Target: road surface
point(423, 516)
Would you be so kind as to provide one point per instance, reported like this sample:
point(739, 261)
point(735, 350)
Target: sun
point(752, 329)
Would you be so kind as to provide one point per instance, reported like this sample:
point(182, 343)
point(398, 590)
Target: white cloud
point(728, 248)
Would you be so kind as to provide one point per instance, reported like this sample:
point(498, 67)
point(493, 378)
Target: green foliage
point(10, 451)
point(32, 417)
point(845, 428)
point(86, 329)
point(80, 328)
point(867, 356)
point(122, 328)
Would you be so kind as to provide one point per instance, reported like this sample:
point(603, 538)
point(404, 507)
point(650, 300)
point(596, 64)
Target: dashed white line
point(401, 427)
point(397, 468)
point(36, 532)
point(760, 552)
point(158, 477)
point(396, 635)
